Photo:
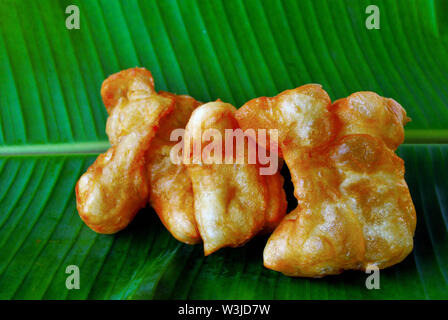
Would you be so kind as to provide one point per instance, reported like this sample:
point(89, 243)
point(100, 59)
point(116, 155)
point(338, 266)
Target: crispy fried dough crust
point(230, 200)
point(355, 209)
point(171, 192)
point(115, 186)
point(276, 203)
point(368, 113)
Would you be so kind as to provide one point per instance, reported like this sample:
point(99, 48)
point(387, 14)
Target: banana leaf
point(52, 127)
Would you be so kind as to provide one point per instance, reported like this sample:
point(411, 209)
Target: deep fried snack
point(230, 200)
point(368, 113)
point(171, 192)
point(354, 207)
point(115, 186)
point(129, 97)
point(276, 203)
point(299, 115)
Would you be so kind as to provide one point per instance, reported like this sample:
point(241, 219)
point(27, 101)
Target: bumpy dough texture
point(368, 113)
point(276, 203)
point(171, 192)
point(115, 186)
point(232, 201)
point(354, 207)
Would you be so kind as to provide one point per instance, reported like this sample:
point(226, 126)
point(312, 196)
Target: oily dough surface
point(171, 192)
point(354, 206)
point(232, 201)
point(116, 186)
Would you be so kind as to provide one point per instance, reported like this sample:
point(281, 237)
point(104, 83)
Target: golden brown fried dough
point(126, 97)
point(355, 211)
point(230, 200)
point(300, 115)
point(276, 203)
point(171, 192)
point(369, 113)
point(115, 186)
point(354, 207)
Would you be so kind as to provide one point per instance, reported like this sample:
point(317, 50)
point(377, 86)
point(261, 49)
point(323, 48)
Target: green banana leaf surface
point(52, 127)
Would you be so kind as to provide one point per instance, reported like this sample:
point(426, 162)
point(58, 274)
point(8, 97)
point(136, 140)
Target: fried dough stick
point(171, 192)
point(115, 186)
point(275, 201)
point(354, 207)
point(231, 200)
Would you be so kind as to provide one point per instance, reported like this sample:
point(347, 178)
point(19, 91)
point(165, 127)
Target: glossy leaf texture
point(52, 125)
point(41, 234)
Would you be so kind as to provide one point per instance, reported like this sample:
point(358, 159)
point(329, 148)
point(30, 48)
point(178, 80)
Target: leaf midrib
point(55, 148)
point(412, 137)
